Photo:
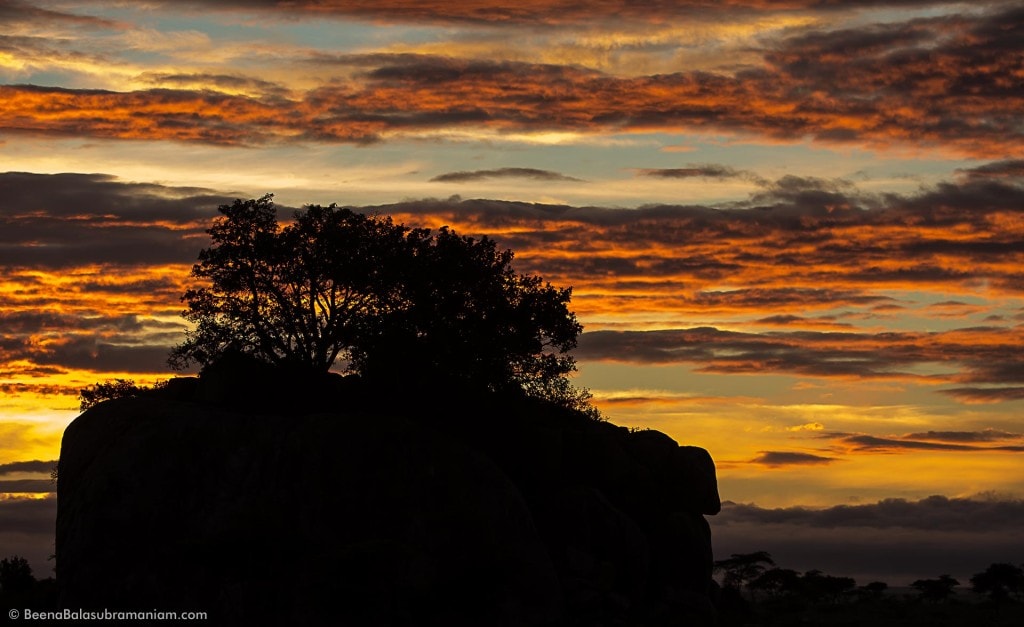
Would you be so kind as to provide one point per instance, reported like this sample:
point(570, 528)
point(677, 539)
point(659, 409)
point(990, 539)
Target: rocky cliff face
point(358, 511)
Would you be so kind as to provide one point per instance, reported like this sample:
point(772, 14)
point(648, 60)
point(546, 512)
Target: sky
point(794, 229)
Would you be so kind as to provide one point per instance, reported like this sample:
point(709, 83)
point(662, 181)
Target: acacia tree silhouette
point(392, 300)
point(936, 590)
point(999, 581)
point(742, 569)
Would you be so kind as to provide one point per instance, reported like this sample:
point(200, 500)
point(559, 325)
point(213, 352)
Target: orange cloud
point(943, 83)
point(103, 293)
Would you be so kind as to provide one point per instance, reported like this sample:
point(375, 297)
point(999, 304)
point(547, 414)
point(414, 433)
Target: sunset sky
point(794, 228)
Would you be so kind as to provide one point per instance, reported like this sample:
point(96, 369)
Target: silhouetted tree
point(394, 301)
point(742, 569)
point(817, 586)
point(873, 590)
point(999, 581)
point(15, 575)
point(99, 392)
point(776, 582)
point(936, 590)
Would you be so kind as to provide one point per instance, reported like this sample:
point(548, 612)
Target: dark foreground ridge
point(335, 504)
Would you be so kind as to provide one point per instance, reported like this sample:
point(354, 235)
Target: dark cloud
point(988, 435)
point(870, 443)
point(894, 540)
point(791, 320)
point(823, 354)
point(24, 13)
point(932, 513)
point(27, 530)
point(27, 516)
point(42, 389)
point(102, 196)
point(89, 353)
point(1010, 168)
point(810, 194)
point(59, 220)
point(218, 81)
point(884, 355)
point(39, 50)
point(710, 170)
point(479, 175)
point(783, 319)
point(121, 343)
point(32, 322)
point(27, 466)
point(778, 459)
point(26, 486)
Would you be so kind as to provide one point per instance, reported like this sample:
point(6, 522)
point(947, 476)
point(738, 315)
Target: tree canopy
point(1000, 581)
point(392, 301)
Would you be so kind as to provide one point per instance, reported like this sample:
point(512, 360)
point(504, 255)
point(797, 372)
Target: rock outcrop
point(356, 510)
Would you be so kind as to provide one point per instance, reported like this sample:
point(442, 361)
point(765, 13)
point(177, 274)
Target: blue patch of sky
point(48, 78)
point(315, 32)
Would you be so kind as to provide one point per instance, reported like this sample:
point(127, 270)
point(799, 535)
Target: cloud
point(26, 530)
point(986, 394)
point(1010, 168)
point(27, 466)
point(784, 320)
point(915, 83)
point(869, 443)
point(26, 486)
point(872, 443)
point(15, 13)
point(93, 266)
point(710, 170)
point(931, 513)
point(36, 389)
point(479, 175)
point(156, 114)
point(231, 83)
point(893, 540)
point(542, 12)
point(91, 353)
point(61, 220)
point(984, 355)
point(779, 459)
point(988, 435)
point(34, 322)
point(796, 246)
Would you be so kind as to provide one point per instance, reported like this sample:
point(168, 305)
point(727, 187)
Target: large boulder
point(437, 511)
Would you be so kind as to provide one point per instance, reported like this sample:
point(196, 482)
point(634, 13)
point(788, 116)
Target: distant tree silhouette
point(396, 302)
point(936, 590)
point(873, 590)
point(742, 569)
point(15, 575)
point(817, 586)
point(776, 582)
point(999, 582)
